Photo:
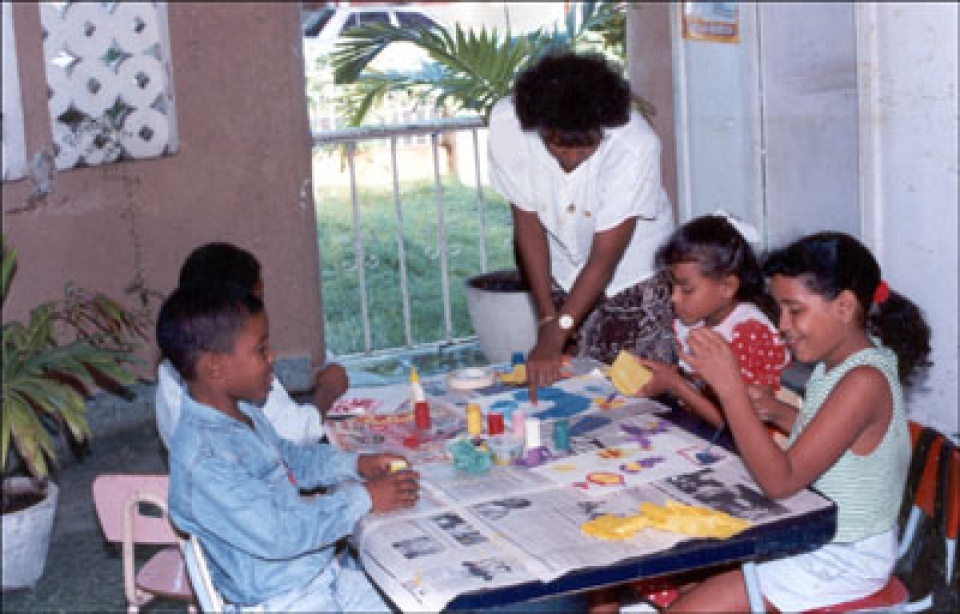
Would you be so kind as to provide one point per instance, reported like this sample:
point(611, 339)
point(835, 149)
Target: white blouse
point(618, 181)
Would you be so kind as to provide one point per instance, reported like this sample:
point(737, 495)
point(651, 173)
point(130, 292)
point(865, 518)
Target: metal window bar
point(432, 129)
point(441, 238)
point(481, 205)
point(359, 255)
point(401, 251)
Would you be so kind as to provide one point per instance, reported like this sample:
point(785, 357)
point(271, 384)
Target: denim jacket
point(237, 490)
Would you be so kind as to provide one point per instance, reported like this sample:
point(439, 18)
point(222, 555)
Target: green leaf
point(48, 364)
point(469, 69)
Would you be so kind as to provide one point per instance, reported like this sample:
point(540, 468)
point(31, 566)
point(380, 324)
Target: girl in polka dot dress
point(717, 283)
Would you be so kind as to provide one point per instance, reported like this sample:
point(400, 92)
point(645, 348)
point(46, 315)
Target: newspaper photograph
point(512, 526)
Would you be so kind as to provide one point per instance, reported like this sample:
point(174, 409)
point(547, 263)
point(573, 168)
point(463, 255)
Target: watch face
point(565, 322)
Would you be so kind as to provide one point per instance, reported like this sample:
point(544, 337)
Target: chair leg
point(919, 606)
point(910, 530)
point(951, 555)
point(752, 582)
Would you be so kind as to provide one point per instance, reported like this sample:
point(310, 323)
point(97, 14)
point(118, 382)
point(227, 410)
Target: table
point(789, 536)
point(472, 560)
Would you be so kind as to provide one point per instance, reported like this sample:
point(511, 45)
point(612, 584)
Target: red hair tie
point(881, 294)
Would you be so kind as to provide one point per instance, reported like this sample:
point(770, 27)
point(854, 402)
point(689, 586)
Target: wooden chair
point(208, 596)
point(124, 504)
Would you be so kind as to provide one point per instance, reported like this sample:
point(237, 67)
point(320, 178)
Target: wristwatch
point(565, 321)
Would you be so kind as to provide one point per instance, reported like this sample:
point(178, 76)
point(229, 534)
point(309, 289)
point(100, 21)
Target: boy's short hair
point(220, 262)
point(198, 319)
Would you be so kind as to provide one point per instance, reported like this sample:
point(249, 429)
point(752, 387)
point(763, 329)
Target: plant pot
point(502, 312)
point(26, 535)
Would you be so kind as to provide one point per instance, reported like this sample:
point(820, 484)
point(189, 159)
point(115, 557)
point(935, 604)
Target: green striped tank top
point(867, 489)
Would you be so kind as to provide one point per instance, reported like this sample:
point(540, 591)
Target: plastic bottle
point(474, 420)
point(416, 390)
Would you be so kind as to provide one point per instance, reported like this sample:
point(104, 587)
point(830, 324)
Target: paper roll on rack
point(471, 378)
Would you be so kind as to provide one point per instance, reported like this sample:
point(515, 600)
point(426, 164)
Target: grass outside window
point(341, 292)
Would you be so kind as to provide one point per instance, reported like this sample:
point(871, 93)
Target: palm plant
point(50, 362)
point(468, 70)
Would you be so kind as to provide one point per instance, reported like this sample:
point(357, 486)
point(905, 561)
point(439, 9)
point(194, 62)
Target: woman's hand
point(543, 362)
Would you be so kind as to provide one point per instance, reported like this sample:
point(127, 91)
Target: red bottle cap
point(494, 423)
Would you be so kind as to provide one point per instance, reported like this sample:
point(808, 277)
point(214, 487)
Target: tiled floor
point(83, 573)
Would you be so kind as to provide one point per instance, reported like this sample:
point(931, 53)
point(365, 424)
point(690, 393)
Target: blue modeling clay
point(565, 404)
point(469, 458)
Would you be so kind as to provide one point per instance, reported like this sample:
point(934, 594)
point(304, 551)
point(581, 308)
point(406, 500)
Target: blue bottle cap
point(517, 358)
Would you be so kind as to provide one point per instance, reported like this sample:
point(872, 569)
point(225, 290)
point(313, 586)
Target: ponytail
point(900, 326)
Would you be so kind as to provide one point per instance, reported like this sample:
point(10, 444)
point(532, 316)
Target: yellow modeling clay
point(692, 520)
point(628, 375)
point(675, 517)
point(517, 377)
point(613, 528)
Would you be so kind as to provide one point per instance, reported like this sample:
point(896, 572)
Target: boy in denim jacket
point(235, 484)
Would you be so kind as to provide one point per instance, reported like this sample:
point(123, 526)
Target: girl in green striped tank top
point(849, 439)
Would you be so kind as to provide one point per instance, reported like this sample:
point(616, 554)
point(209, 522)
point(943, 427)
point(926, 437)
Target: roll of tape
point(471, 378)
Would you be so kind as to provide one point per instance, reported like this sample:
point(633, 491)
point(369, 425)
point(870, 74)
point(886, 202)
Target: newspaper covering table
point(514, 524)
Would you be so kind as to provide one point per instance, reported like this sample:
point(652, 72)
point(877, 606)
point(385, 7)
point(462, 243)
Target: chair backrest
point(927, 556)
point(207, 594)
point(114, 494)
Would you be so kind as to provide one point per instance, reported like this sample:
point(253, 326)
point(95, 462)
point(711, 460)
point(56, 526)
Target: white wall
point(840, 116)
point(907, 75)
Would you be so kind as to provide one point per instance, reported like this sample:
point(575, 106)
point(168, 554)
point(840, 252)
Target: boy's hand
point(329, 384)
point(394, 491)
point(371, 466)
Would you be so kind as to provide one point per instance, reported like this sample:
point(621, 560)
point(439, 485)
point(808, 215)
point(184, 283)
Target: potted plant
point(50, 362)
point(502, 312)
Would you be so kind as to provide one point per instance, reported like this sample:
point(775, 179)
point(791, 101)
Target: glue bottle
point(532, 433)
point(518, 422)
point(416, 390)
point(421, 415)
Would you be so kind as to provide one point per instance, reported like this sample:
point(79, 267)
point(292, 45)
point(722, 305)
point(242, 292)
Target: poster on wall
point(717, 22)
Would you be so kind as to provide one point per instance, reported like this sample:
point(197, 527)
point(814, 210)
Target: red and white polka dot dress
point(755, 341)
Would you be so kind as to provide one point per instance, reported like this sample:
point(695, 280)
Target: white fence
point(438, 148)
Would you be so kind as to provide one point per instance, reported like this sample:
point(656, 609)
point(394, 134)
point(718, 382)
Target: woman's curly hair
point(571, 93)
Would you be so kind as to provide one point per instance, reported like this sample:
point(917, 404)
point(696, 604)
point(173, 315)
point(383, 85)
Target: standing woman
point(581, 171)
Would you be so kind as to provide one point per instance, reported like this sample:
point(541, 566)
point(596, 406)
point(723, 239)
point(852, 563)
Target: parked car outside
point(325, 27)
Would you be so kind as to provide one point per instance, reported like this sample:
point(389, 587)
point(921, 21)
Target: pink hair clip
point(881, 294)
